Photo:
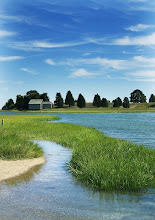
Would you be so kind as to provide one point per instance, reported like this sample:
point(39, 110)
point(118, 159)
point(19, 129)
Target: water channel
point(51, 192)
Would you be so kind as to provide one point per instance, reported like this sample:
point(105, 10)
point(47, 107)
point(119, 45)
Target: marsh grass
point(97, 160)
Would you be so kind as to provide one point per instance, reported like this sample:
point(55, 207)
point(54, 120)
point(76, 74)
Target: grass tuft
point(97, 160)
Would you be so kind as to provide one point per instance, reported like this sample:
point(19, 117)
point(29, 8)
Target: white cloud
point(4, 33)
point(146, 73)
point(139, 27)
point(143, 59)
point(20, 18)
point(104, 62)
point(11, 58)
point(138, 0)
point(81, 73)
point(147, 40)
point(12, 18)
point(86, 54)
point(136, 62)
point(143, 40)
point(29, 71)
point(37, 45)
point(138, 79)
point(50, 62)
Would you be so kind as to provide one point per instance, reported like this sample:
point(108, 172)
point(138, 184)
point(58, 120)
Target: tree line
point(22, 101)
point(137, 96)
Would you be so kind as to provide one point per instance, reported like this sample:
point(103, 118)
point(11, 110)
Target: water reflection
point(24, 178)
point(51, 192)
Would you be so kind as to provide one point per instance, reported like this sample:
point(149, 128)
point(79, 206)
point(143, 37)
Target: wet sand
point(11, 169)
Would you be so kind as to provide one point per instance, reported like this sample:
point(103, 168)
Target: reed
point(97, 160)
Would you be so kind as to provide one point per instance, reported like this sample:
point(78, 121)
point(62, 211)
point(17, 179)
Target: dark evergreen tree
point(104, 102)
point(58, 100)
point(119, 101)
point(126, 103)
point(97, 101)
point(26, 100)
point(8, 105)
point(116, 103)
point(81, 103)
point(44, 96)
point(137, 96)
point(69, 99)
point(152, 98)
point(19, 102)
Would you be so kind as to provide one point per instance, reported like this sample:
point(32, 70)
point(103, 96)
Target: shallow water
point(136, 127)
point(51, 192)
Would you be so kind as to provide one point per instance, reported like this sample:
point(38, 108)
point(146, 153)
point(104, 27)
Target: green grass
point(99, 161)
point(134, 108)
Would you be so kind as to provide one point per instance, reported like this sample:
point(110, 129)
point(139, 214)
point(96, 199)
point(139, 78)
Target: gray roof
point(47, 102)
point(36, 101)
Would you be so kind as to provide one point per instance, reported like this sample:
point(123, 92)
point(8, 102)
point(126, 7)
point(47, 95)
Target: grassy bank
point(134, 108)
point(100, 161)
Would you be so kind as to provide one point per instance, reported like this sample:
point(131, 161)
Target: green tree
point(44, 96)
point(26, 100)
point(81, 103)
point(116, 103)
point(32, 94)
point(119, 101)
point(97, 101)
point(126, 103)
point(58, 100)
point(137, 96)
point(104, 102)
point(8, 105)
point(152, 98)
point(19, 102)
point(69, 99)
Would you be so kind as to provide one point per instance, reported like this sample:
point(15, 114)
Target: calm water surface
point(51, 192)
point(135, 127)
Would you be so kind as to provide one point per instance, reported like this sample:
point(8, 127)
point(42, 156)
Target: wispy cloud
point(37, 45)
point(50, 62)
point(142, 73)
point(29, 71)
point(108, 63)
point(82, 73)
point(143, 40)
point(13, 18)
point(4, 33)
point(132, 63)
point(147, 60)
point(139, 27)
point(20, 19)
point(11, 58)
point(146, 40)
point(141, 79)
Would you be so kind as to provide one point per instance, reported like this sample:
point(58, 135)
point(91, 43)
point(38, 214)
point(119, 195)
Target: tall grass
point(100, 161)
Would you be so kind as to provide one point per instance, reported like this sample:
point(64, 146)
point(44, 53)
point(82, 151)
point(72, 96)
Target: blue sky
point(86, 46)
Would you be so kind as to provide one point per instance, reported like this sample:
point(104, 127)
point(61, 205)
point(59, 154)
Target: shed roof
point(47, 103)
point(36, 101)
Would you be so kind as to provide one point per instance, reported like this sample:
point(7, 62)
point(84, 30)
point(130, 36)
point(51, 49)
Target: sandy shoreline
point(11, 169)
